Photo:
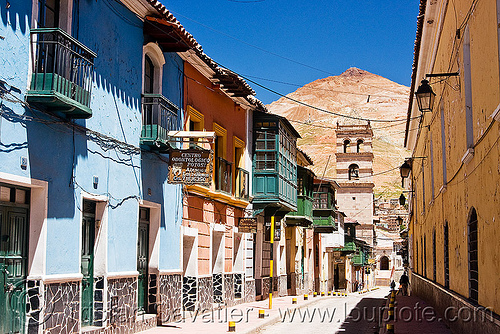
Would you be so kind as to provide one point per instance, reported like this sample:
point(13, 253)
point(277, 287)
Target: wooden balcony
point(304, 214)
point(62, 73)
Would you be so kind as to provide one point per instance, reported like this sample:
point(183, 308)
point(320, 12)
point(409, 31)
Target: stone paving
point(413, 315)
point(247, 320)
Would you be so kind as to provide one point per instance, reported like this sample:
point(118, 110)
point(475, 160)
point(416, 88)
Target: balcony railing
point(62, 72)
point(159, 116)
point(223, 175)
point(242, 184)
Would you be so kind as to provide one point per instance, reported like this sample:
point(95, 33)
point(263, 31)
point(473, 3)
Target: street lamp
point(402, 199)
point(399, 220)
point(405, 169)
point(425, 96)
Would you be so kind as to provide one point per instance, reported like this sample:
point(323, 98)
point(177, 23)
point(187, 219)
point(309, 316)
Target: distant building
point(354, 175)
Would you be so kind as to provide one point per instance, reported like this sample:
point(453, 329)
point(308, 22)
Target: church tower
point(354, 175)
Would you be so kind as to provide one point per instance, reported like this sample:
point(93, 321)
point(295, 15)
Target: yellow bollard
point(262, 314)
point(391, 314)
point(322, 293)
point(306, 296)
point(232, 327)
point(294, 300)
point(390, 328)
point(315, 294)
point(329, 293)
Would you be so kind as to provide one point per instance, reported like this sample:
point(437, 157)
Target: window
point(416, 257)
point(443, 144)
point(149, 71)
point(265, 150)
point(241, 176)
point(432, 170)
point(446, 257)
point(434, 255)
point(353, 172)
point(423, 187)
point(424, 258)
point(347, 142)
point(468, 89)
point(48, 13)
point(195, 122)
point(58, 14)
point(223, 169)
point(153, 68)
point(359, 144)
point(473, 257)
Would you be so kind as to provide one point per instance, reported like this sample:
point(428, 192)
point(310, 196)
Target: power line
point(251, 45)
point(273, 91)
point(329, 90)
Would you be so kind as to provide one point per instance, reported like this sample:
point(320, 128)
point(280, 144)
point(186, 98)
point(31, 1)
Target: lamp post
point(425, 96)
point(405, 170)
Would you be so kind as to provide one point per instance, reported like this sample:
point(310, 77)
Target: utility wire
point(329, 90)
point(284, 96)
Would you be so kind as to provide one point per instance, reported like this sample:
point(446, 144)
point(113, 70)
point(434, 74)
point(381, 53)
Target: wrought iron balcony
point(62, 73)
point(223, 175)
point(242, 184)
point(159, 116)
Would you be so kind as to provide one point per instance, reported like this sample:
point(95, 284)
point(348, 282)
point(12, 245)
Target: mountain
point(356, 93)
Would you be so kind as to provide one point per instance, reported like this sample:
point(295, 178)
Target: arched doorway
point(384, 263)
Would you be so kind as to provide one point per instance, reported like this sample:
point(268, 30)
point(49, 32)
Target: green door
point(13, 264)
point(143, 259)
point(88, 236)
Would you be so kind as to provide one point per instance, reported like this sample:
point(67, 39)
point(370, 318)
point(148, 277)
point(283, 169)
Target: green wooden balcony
point(324, 224)
point(159, 116)
point(359, 259)
point(62, 73)
point(242, 184)
point(304, 214)
point(274, 162)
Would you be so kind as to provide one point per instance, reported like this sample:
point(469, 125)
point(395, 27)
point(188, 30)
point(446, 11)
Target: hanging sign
point(190, 167)
point(247, 225)
point(267, 230)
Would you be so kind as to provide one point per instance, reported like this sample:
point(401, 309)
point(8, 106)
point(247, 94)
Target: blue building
point(90, 229)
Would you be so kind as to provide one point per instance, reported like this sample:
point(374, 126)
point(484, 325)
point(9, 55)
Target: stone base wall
point(62, 311)
point(250, 292)
point(282, 288)
point(218, 288)
point(35, 306)
point(448, 303)
point(238, 288)
point(99, 314)
point(265, 287)
point(122, 304)
point(205, 293)
point(189, 293)
point(169, 298)
point(229, 290)
point(299, 284)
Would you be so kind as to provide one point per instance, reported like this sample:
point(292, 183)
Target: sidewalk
point(413, 315)
point(245, 316)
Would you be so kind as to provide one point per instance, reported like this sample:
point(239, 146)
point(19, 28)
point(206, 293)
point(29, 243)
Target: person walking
point(404, 281)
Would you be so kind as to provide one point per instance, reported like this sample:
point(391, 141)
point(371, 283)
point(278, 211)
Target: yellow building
point(455, 167)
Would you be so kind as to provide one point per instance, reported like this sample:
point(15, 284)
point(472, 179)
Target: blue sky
point(327, 37)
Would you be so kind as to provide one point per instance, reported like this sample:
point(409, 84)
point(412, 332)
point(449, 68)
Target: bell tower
point(354, 175)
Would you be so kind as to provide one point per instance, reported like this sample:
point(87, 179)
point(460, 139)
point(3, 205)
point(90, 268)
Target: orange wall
point(217, 107)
